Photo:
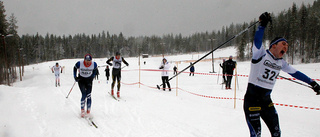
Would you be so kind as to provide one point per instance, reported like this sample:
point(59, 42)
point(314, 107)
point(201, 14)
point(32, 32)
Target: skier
point(223, 66)
point(57, 69)
point(87, 71)
point(265, 68)
point(165, 66)
point(230, 65)
point(107, 70)
point(116, 71)
point(191, 70)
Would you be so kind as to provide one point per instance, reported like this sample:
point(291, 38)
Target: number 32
point(268, 74)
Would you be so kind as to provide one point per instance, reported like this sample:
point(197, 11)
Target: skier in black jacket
point(116, 71)
point(230, 65)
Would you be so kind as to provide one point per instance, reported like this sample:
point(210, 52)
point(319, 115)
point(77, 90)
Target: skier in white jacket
point(165, 66)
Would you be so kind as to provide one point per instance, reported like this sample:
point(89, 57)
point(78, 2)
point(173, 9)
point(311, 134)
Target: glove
point(52, 72)
point(127, 64)
point(161, 67)
point(315, 87)
point(61, 71)
point(77, 79)
point(264, 19)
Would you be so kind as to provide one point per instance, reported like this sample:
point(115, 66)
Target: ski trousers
point(165, 80)
point(258, 104)
point(229, 79)
point(116, 75)
point(86, 88)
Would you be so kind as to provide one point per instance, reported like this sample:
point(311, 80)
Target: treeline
point(299, 25)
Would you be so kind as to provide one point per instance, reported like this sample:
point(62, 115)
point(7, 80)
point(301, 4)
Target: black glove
point(77, 79)
point(161, 67)
point(127, 64)
point(61, 71)
point(52, 71)
point(315, 87)
point(264, 19)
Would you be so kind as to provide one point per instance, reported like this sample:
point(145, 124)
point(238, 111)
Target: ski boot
point(83, 114)
point(118, 94)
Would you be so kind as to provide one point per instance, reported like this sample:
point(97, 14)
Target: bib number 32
point(270, 75)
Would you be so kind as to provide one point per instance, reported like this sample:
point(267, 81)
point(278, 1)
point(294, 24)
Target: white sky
point(137, 17)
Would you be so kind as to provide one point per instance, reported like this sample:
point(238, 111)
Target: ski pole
point(71, 89)
point(212, 51)
point(123, 67)
point(295, 82)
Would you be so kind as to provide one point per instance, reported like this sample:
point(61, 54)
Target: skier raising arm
point(87, 71)
point(265, 68)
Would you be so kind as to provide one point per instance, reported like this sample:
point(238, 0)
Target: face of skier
point(87, 63)
point(117, 56)
point(279, 49)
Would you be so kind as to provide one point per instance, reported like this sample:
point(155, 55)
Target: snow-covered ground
point(34, 107)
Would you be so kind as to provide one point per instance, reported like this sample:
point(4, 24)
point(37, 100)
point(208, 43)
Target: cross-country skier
point(265, 68)
point(57, 69)
point(165, 66)
point(116, 71)
point(87, 71)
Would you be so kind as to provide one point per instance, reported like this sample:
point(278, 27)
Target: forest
point(300, 25)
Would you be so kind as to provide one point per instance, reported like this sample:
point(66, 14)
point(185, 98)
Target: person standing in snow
point(107, 70)
point(191, 69)
point(57, 69)
point(175, 70)
point(265, 68)
point(116, 71)
point(87, 71)
point(165, 66)
point(223, 66)
point(230, 65)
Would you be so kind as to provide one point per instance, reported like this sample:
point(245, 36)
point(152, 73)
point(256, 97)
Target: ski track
point(143, 112)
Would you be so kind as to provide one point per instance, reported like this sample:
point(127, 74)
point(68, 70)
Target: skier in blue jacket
point(265, 68)
point(87, 71)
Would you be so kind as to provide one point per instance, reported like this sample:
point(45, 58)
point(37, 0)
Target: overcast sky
point(137, 17)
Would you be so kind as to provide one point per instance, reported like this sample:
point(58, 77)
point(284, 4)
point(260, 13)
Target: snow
point(34, 107)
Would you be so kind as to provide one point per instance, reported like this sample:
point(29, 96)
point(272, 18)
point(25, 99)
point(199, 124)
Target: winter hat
point(276, 40)
point(117, 53)
point(88, 57)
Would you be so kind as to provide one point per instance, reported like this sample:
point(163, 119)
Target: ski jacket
point(265, 67)
point(56, 69)
point(192, 68)
point(116, 63)
point(229, 66)
point(165, 69)
point(85, 72)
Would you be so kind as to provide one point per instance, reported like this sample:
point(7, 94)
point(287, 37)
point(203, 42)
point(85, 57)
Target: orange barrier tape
point(228, 98)
point(239, 75)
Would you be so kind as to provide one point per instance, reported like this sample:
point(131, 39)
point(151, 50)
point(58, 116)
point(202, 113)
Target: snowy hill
point(34, 107)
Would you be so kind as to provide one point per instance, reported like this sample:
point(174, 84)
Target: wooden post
point(235, 87)
point(177, 80)
point(139, 71)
